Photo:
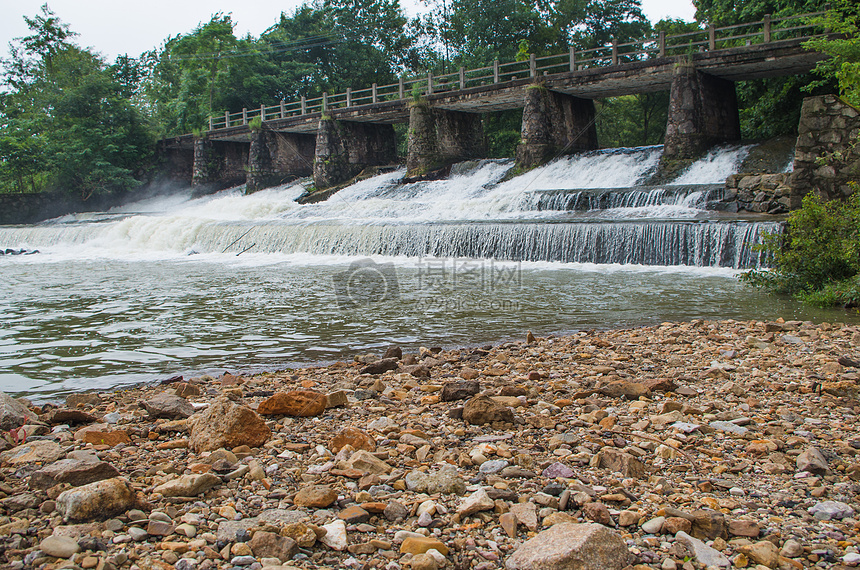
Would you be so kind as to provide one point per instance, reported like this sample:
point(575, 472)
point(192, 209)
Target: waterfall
point(588, 208)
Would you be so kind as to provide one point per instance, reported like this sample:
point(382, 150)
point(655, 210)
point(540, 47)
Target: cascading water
point(584, 209)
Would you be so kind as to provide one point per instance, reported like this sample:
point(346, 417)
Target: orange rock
point(301, 403)
point(98, 434)
point(469, 373)
point(374, 507)
point(231, 380)
point(354, 437)
point(348, 473)
point(176, 444)
point(228, 425)
point(419, 545)
point(608, 422)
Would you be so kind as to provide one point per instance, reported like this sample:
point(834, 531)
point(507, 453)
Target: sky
point(114, 27)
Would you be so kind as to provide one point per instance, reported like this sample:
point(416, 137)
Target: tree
point(184, 79)
point(818, 259)
point(482, 30)
point(338, 44)
point(594, 23)
point(730, 12)
point(67, 122)
point(843, 65)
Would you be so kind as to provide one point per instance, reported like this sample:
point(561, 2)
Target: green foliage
point(418, 90)
point(819, 256)
point(522, 51)
point(475, 32)
point(255, 124)
point(730, 12)
point(844, 62)
point(844, 293)
point(633, 120)
point(67, 121)
point(503, 131)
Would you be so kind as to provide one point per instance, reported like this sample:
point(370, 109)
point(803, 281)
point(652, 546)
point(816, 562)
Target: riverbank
point(725, 442)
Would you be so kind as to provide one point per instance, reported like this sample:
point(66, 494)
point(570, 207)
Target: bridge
point(336, 137)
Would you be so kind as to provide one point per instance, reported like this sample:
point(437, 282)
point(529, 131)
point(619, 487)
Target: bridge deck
point(774, 59)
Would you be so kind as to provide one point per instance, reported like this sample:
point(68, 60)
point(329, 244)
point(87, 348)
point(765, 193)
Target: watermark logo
point(443, 284)
point(366, 282)
point(457, 273)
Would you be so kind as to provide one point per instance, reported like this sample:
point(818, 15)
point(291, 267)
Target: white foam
point(171, 227)
point(715, 167)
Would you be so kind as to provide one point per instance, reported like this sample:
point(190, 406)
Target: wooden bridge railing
point(709, 39)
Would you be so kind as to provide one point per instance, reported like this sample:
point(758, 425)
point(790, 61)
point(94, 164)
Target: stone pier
point(219, 164)
point(703, 112)
point(439, 138)
point(553, 124)
point(177, 162)
point(827, 154)
point(276, 158)
point(344, 149)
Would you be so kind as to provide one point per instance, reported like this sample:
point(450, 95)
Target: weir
point(588, 208)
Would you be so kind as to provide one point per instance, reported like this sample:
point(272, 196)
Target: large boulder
point(168, 406)
point(300, 403)
point(188, 485)
point(446, 480)
point(14, 414)
point(380, 366)
point(453, 391)
point(482, 410)
point(570, 545)
point(228, 425)
point(315, 496)
point(98, 500)
point(75, 472)
point(39, 451)
point(353, 437)
point(270, 545)
point(101, 434)
point(622, 462)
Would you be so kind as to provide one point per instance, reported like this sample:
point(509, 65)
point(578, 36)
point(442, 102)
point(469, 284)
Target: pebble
point(830, 510)
point(730, 453)
point(59, 546)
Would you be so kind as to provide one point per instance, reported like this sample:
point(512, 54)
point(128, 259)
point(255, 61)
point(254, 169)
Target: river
point(180, 285)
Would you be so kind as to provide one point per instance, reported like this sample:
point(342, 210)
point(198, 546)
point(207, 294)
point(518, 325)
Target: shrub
point(817, 259)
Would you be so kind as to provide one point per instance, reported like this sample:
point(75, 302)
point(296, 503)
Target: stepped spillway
point(585, 209)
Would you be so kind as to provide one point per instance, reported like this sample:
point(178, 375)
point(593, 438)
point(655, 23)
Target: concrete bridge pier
point(703, 112)
point(219, 164)
point(275, 158)
point(439, 138)
point(554, 123)
point(344, 149)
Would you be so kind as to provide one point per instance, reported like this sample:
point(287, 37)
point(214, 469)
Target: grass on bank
point(817, 258)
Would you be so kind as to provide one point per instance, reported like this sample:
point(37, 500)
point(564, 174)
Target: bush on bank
point(817, 258)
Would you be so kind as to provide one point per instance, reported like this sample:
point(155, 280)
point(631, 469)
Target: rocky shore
point(685, 445)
